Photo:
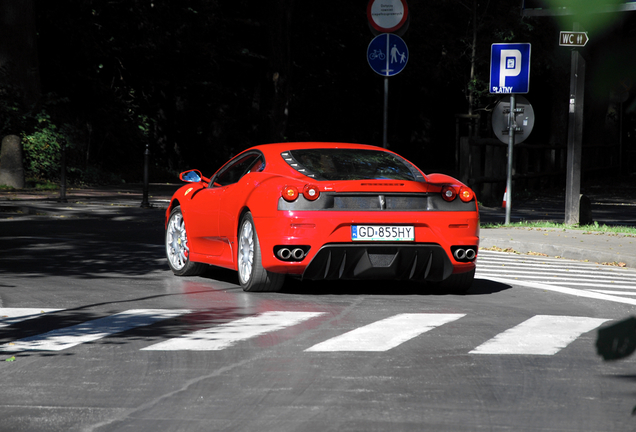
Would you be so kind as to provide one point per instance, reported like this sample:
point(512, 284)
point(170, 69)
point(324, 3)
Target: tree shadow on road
point(82, 247)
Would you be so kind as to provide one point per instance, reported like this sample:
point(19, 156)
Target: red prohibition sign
point(387, 16)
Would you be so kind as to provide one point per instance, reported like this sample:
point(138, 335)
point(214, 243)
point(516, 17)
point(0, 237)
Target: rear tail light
point(311, 192)
point(289, 193)
point(449, 193)
point(466, 194)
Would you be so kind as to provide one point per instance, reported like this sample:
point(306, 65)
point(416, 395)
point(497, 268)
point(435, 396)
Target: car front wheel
point(252, 275)
point(177, 249)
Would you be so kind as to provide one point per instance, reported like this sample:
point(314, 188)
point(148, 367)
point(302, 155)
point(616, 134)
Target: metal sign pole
point(385, 142)
point(511, 142)
point(387, 55)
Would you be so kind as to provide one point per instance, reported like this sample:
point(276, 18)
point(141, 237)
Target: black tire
point(252, 275)
point(457, 283)
point(177, 250)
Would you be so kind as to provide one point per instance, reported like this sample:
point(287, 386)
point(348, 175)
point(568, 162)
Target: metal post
point(620, 140)
point(63, 171)
point(144, 202)
point(511, 142)
point(385, 122)
point(575, 140)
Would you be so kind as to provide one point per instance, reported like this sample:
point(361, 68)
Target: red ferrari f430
point(324, 211)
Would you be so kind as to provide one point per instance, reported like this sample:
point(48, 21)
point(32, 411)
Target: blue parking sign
point(510, 68)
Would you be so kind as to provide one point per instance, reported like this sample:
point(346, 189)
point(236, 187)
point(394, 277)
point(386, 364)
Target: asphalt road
point(115, 342)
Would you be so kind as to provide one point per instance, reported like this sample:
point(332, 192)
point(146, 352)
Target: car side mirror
point(193, 176)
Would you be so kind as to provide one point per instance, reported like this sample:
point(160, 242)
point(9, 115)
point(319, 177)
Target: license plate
point(382, 233)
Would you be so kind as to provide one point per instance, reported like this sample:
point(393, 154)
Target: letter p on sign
point(510, 65)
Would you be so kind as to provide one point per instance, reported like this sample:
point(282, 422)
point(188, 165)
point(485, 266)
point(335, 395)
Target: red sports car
point(324, 211)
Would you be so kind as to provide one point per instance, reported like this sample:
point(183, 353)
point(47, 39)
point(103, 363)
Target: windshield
point(351, 164)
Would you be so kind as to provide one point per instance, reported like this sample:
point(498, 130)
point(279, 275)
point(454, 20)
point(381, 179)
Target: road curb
point(561, 251)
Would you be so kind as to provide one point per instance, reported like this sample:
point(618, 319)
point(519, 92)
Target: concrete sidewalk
point(126, 200)
point(617, 209)
point(101, 201)
point(614, 249)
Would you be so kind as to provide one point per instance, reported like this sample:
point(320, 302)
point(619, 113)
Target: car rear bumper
point(373, 261)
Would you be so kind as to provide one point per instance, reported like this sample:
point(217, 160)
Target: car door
point(212, 203)
point(235, 197)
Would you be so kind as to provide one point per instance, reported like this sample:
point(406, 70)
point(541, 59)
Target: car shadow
point(357, 287)
point(384, 287)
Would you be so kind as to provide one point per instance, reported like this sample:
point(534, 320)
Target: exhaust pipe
point(460, 254)
point(291, 252)
point(284, 254)
point(470, 254)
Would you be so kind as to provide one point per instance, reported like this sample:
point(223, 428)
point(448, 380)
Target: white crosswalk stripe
point(387, 333)
point(538, 335)
point(602, 279)
point(10, 316)
point(58, 340)
point(226, 335)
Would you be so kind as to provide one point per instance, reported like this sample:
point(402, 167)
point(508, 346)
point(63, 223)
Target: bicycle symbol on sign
point(376, 54)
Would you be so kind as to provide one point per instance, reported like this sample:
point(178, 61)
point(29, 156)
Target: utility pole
point(575, 137)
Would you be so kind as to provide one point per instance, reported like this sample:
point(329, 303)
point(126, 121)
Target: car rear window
point(351, 164)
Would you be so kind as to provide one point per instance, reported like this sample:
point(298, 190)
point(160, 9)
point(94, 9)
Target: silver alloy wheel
point(246, 252)
point(177, 242)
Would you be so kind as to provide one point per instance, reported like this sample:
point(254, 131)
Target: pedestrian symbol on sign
point(387, 54)
point(395, 52)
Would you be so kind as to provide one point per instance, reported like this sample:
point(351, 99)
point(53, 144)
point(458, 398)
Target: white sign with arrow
point(573, 39)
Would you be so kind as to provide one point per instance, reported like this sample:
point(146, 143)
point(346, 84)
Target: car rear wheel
point(457, 283)
point(252, 275)
point(177, 249)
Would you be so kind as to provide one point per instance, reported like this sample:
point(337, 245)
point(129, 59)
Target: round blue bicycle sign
point(387, 54)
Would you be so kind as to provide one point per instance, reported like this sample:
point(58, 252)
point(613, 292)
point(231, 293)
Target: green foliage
point(505, 35)
point(40, 132)
point(42, 147)
point(479, 89)
point(42, 185)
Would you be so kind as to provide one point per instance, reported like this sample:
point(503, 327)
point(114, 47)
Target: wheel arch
point(241, 213)
point(173, 204)
point(174, 249)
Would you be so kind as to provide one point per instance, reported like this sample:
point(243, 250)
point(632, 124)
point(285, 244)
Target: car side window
point(257, 166)
point(233, 173)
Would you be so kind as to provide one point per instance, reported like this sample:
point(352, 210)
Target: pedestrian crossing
point(226, 335)
point(11, 316)
point(543, 335)
point(588, 279)
point(385, 334)
point(539, 335)
point(90, 331)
